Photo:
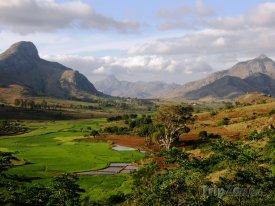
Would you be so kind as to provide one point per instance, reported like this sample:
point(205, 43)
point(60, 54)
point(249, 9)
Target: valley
point(142, 143)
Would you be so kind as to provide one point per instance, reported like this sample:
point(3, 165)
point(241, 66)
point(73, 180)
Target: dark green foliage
point(224, 121)
point(259, 135)
point(6, 159)
point(203, 135)
point(10, 127)
point(18, 190)
point(147, 130)
point(177, 186)
point(144, 120)
point(182, 184)
point(94, 133)
point(122, 117)
point(213, 113)
point(228, 105)
point(272, 112)
point(132, 124)
point(116, 130)
point(65, 191)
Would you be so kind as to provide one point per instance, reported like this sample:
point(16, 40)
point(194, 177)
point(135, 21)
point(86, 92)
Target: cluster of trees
point(30, 104)
point(165, 128)
point(18, 190)
point(247, 169)
point(144, 120)
point(116, 130)
point(122, 117)
point(255, 135)
point(10, 127)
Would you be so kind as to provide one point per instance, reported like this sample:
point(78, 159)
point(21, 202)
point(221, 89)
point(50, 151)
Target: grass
point(100, 187)
point(49, 149)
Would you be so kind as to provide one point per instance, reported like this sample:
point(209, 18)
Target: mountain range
point(256, 75)
point(23, 72)
point(21, 66)
point(112, 86)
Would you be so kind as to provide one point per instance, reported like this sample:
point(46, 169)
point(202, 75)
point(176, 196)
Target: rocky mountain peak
point(21, 65)
point(22, 49)
point(263, 57)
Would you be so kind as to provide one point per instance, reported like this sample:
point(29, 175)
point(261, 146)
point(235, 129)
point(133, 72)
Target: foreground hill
point(21, 67)
point(256, 75)
point(112, 86)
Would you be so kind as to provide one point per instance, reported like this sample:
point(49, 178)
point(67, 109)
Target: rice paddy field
point(49, 149)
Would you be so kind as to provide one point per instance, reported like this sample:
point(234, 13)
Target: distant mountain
point(21, 65)
point(256, 75)
point(112, 86)
point(230, 87)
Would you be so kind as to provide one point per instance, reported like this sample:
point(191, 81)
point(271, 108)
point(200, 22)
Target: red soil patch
point(127, 140)
point(189, 137)
point(123, 140)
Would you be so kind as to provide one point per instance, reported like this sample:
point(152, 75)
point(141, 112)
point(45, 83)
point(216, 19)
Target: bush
point(10, 127)
point(123, 117)
point(94, 133)
point(228, 105)
point(245, 118)
point(224, 121)
point(203, 135)
point(116, 130)
point(133, 124)
point(213, 113)
point(214, 136)
point(272, 112)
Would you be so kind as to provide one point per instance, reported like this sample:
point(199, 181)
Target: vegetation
point(224, 121)
point(10, 127)
point(63, 189)
point(187, 182)
point(174, 120)
point(196, 156)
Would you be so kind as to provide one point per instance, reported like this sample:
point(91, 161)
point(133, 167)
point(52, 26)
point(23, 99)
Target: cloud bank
point(29, 16)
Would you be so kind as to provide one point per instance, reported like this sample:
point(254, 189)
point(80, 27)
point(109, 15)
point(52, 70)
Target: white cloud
point(263, 15)
point(202, 10)
point(174, 25)
point(28, 16)
point(220, 42)
point(175, 13)
point(133, 66)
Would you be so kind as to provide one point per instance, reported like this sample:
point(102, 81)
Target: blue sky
point(154, 40)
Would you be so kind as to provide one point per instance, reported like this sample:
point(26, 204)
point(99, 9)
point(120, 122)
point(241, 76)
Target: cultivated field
point(50, 149)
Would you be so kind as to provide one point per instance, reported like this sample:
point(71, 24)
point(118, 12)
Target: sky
point(174, 41)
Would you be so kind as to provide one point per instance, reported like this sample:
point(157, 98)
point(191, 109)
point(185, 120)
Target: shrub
point(133, 124)
point(203, 135)
point(272, 112)
point(94, 133)
point(213, 113)
point(116, 130)
point(224, 121)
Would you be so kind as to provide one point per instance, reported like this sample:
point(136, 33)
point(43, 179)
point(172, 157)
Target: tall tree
point(174, 119)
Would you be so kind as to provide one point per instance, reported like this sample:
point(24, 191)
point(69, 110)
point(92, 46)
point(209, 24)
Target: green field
point(49, 149)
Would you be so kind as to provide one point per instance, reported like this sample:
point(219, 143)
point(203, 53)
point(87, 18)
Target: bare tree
point(174, 120)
